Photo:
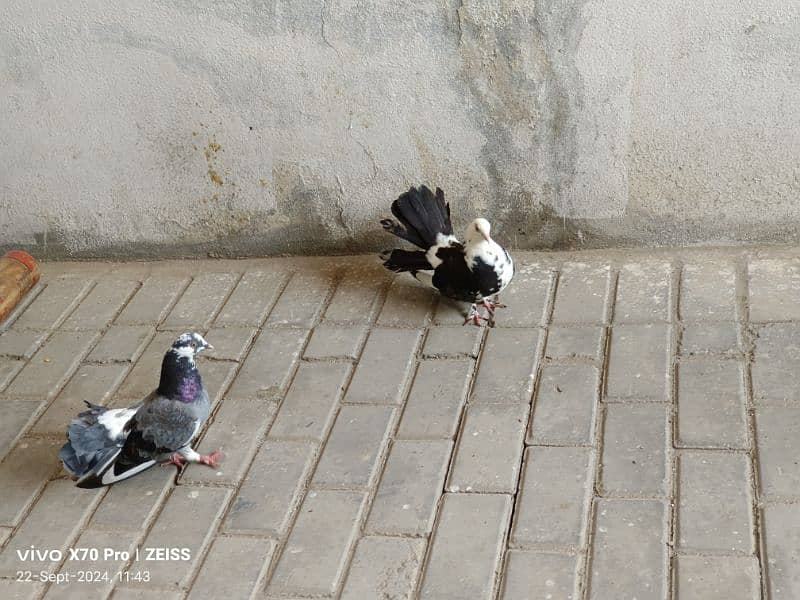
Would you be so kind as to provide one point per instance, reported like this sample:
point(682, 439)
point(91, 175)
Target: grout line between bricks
point(671, 440)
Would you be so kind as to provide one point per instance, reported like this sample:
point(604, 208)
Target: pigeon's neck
point(180, 379)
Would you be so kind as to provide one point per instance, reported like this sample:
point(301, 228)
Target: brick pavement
point(630, 429)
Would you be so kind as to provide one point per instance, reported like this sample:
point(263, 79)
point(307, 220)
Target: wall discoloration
point(269, 127)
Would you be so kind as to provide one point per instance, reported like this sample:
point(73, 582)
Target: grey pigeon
point(474, 271)
point(106, 445)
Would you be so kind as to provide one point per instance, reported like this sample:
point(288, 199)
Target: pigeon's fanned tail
point(423, 217)
point(405, 260)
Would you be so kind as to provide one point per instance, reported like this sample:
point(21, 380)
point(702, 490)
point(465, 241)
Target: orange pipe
point(18, 274)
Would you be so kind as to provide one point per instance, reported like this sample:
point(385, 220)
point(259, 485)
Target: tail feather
point(405, 260)
point(423, 217)
point(89, 446)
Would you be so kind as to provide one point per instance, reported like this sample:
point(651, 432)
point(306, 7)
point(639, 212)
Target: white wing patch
point(114, 421)
point(442, 241)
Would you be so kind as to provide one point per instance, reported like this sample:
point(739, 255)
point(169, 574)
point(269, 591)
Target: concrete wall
point(230, 127)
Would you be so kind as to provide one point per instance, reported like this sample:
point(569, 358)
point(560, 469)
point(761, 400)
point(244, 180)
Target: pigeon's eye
point(193, 344)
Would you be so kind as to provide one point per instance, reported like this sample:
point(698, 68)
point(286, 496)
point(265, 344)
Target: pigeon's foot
point(210, 460)
point(474, 316)
point(176, 459)
point(491, 305)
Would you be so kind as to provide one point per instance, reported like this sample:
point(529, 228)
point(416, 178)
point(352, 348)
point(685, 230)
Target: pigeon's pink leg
point(176, 459)
point(210, 459)
point(474, 316)
point(491, 305)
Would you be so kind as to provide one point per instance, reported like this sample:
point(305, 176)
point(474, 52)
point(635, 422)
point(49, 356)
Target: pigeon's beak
point(208, 347)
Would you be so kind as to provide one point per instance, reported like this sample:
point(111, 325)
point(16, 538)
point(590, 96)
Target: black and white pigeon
point(474, 271)
point(106, 445)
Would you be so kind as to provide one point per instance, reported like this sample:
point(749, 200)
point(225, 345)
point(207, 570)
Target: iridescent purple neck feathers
point(180, 379)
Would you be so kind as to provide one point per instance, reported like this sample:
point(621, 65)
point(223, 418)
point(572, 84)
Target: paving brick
point(450, 312)
point(268, 367)
point(714, 508)
point(8, 370)
point(643, 293)
point(52, 524)
point(24, 473)
point(526, 298)
point(354, 446)
point(121, 343)
point(552, 504)
point(406, 500)
point(355, 296)
point(233, 568)
point(54, 303)
point(200, 302)
point(781, 525)
point(408, 303)
point(638, 361)
point(454, 341)
point(507, 367)
point(253, 296)
point(314, 558)
point(10, 589)
point(566, 401)
point(309, 407)
point(711, 404)
point(14, 418)
point(153, 300)
point(384, 568)
point(302, 300)
point(777, 432)
point(708, 292)
point(574, 342)
point(269, 494)
point(91, 539)
point(776, 368)
point(230, 343)
point(437, 396)
point(93, 383)
point(531, 575)
point(581, 294)
point(709, 338)
point(717, 578)
point(130, 505)
point(334, 341)
point(144, 376)
point(236, 430)
point(5, 533)
point(52, 366)
point(489, 449)
point(217, 376)
point(123, 593)
point(101, 305)
point(464, 561)
point(634, 450)
point(774, 290)
point(385, 367)
point(19, 343)
point(628, 557)
point(187, 520)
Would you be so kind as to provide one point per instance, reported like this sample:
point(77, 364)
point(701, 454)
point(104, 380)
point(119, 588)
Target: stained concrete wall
point(186, 127)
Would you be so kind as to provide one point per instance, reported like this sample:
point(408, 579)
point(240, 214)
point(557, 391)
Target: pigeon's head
point(190, 345)
point(478, 231)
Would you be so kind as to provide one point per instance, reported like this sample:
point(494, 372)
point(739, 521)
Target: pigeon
point(106, 445)
point(474, 271)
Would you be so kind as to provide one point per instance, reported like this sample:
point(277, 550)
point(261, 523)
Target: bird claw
point(491, 305)
point(474, 317)
point(176, 459)
point(210, 460)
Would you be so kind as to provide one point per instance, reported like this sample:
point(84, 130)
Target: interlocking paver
point(717, 578)
point(233, 568)
point(711, 404)
point(101, 305)
point(11, 589)
point(9, 367)
point(144, 376)
point(436, 399)
point(534, 575)
point(708, 292)
point(273, 486)
point(357, 440)
point(58, 299)
point(16, 343)
point(384, 567)
point(314, 558)
point(489, 449)
point(253, 296)
point(200, 301)
point(777, 433)
point(230, 343)
point(526, 300)
point(643, 293)
point(628, 555)
point(408, 304)
point(714, 508)
point(564, 409)
point(574, 342)
point(354, 296)
point(507, 367)
point(552, 504)
point(638, 361)
point(153, 300)
point(710, 338)
point(385, 367)
point(463, 561)
point(774, 288)
point(776, 367)
point(132, 505)
point(634, 458)
point(23, 473)
point(14, 418)
point(121, 343)
point(302, 300)
point(335, 341)
point(127, 593)
point(454, 341)
point(781, 524)
point(405, 503)
point(581, 294)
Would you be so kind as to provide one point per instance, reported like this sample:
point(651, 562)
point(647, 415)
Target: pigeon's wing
point(163, 425)
point(452, 277)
